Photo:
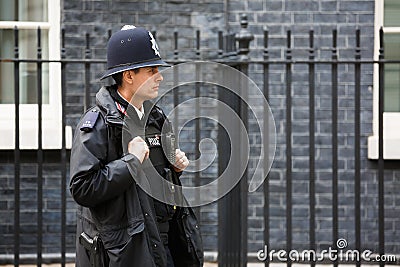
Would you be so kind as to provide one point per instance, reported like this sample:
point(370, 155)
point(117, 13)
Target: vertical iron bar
point(222, 144)
point(244, 186)
point(311, 81)
point(227, 231)
point(176, 45)
point(226, 14)
point(243, 38)
point(220, 44)
point(357, 136)
point(87, 73)
point(232, 198)
point(335, 221)
point(198, 44)
point(63, 153)
point(39, 153)
point(233, 257)
point(288, 147)
point(229, 210)
point(266, 147)
point(176, 79)
point(381, 163)
point(197, 124)
point(17, 167)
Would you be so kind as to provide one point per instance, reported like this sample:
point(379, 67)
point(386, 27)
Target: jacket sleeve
point(93, 179)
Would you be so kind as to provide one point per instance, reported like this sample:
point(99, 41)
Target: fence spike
point(244, 37)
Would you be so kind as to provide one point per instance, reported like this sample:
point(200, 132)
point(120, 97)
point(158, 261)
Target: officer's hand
point(181, 161)
point(138, 147)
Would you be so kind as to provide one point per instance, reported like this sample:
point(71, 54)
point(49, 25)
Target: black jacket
point(111, 204)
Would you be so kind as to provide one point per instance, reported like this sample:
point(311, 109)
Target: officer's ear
point(128, 76)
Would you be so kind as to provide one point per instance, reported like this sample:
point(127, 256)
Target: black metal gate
point(233, 208)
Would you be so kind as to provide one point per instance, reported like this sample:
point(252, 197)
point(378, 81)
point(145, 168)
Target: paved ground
point(208, 264)
point(72, 265)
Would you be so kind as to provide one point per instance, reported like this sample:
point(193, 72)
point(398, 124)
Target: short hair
point(118, 76)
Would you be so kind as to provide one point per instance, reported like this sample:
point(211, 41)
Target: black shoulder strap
point(89, 120)
point(158, 118)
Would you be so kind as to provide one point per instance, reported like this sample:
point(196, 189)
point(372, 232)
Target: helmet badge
point(154, 45)
point(128, 27)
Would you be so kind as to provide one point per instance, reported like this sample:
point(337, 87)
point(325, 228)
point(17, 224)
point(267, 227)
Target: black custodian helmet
point(131, 48)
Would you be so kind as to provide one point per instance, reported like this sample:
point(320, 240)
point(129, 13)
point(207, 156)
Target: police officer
point(118, 223)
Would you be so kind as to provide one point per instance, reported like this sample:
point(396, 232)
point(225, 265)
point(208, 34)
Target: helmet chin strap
point(130, 98)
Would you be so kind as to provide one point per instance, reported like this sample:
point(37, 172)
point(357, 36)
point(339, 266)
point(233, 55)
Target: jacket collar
point(106, 102)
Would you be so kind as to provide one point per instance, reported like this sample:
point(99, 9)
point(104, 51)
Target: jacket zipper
point(188, 243)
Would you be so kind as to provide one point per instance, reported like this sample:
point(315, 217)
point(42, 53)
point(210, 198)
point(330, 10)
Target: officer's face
point(147, 82)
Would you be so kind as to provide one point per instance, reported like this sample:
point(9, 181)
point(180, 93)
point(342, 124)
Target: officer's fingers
point(147, 154)
point(137, 139)
point(183, 159)
point(146, 147)
point(185, 162)
point(179, 152)
point(182, 166)
point(179, 159)
point(140, 142)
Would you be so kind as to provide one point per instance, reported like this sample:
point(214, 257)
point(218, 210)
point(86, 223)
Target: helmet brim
point(158, 63)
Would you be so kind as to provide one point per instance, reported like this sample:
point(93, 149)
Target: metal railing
point(232, 237)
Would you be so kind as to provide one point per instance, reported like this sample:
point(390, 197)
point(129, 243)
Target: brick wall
point(28, 204)
point(278, 16)
point(322, 17)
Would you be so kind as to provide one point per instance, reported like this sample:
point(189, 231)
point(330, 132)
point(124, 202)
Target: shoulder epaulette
point(89, 120)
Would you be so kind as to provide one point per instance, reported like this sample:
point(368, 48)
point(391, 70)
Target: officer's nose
point(158, 76)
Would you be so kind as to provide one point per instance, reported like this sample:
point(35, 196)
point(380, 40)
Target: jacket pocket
point(185, 241)
point(114, 236)
point(193, 235)
point(134, 252)
point(117, 251)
